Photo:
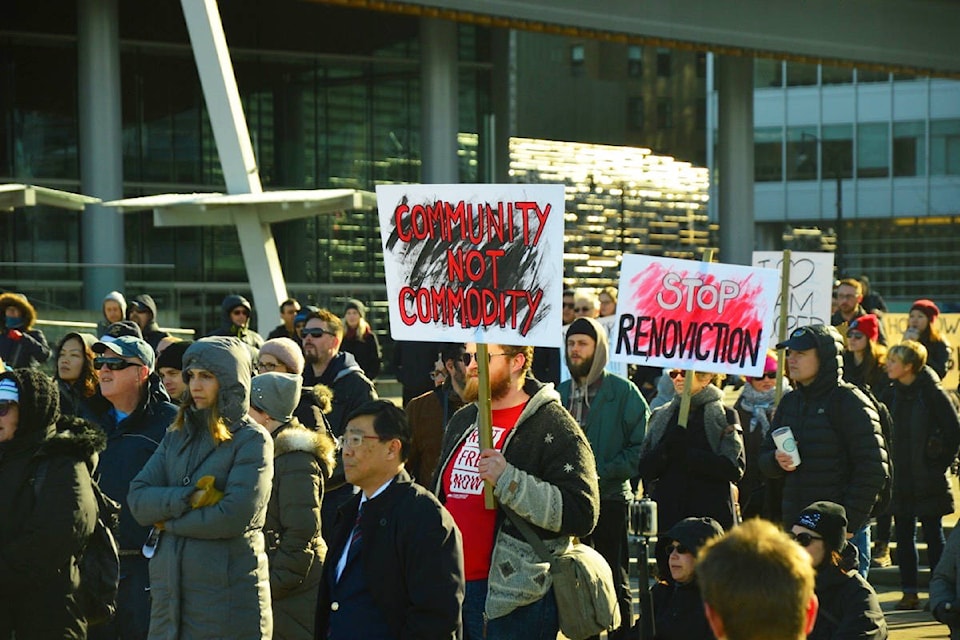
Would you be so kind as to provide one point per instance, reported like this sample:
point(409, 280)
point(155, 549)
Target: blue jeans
point(861, 540)
point(474, 601)
point(905, 526)
point(536, 621)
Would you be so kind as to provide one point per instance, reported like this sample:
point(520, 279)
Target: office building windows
point(909, 146)
point(635, 61)
point(767, 73)
point(768, 154)
point(802, 153)
point(800, 74)
point(836, 75)
point(664, 60)
point(664, 113)
point(578, 56)
point(945, 147)
point(873, 150)
point(837, 153)
point(701, 64)
point(867, 75)
point(635, 115)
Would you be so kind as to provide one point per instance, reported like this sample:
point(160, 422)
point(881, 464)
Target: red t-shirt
point(464, 491)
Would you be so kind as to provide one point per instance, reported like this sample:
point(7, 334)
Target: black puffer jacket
point(849, 607)
point(43, 529)
point(926, 435)
point(839, 439)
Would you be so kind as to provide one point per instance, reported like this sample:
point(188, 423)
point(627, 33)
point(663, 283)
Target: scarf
point(714, 418)
point(760, 405)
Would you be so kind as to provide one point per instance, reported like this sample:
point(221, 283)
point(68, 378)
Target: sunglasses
point(676, 373)
point(5, 407)
point(679, 548)
point(467, 358)
point(855, 335)
point(113, 364)
point(803, 539)
point(240, 312)
point(769, 375)
point(316, 332)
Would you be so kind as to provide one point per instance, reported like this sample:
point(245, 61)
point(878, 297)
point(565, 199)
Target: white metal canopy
point(13, 196)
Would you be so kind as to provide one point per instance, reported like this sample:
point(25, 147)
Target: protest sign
point(474, 263)
point(811, 283)
point(692, 315)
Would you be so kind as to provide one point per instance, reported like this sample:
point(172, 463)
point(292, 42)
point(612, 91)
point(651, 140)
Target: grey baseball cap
point(128, 347)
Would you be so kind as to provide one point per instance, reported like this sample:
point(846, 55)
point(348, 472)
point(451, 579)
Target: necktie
point(355, 538)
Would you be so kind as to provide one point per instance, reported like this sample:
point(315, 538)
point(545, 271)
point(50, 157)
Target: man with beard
point(849, 296)
point(541, 467)
point(327, 365)
point(429, 414)
point(613, 414)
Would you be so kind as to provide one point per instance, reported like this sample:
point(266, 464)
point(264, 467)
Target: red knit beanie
point(928, 308)
point(868, 325)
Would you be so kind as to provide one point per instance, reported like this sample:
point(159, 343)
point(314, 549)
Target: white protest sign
point(694, 315)
point(474, 262)
point(811, 285)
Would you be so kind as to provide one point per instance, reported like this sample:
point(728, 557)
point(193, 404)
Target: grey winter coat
point(302, 460)
point(209, 577)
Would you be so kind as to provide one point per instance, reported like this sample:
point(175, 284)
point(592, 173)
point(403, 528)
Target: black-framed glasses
point(677, 373)
point(353, 440)
point(466, 358)
point(803, 538)
point(770, 375)
point(267, 366)
point(317, 332)
point(113, 364)
point(5, 407)
point(679, 548)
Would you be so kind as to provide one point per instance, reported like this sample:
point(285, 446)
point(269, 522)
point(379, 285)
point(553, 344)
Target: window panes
point(909, 149)
point(768, 154)
point(945, 147)
point(836, 75)
point(873, 150)
point(767, 73)
point(664, 59)
point(635, 115)
point(664, 113)
point(837, 152)
point(635, 61)
point(868, 75)
point(803, 152)
point(801, 74)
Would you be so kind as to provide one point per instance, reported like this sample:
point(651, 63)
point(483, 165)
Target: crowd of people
point(266, 490)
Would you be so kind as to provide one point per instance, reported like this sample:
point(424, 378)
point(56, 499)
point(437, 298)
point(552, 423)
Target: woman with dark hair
point(848, 604)
point(43, 528)
point(76, 378)
point(922, 327)
point(205, 490)
point(865, 359)
point(359, 339)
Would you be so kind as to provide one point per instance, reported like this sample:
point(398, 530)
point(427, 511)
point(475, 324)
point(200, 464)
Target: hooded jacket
point(245, 334)
point(613, 415)
point(151, 333)
point(302, 459)
point(209, 577)
point(41, 535)
point(838, 436)
point(926, 435)
point(117, 297)
point(21, 345)
point(849, 607)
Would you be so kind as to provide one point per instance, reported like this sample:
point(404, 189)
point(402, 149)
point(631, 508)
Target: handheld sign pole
point(784, 297)
point(688, 378)
point(485, 418)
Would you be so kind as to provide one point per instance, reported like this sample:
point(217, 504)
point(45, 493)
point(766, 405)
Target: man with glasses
point(339, 371)
point(429, 413)
point(142, 310)
point(394, 568)
point(133, 409)
point(541, 467)
point(236, 312)
point(849, 294)
point(613, 415)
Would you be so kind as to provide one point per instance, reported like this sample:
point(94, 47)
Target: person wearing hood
point(205, 490)
point(302, 461)
point(114, 309)
point(21, 345)
point(836, 429)
point(142, 310)
point(755, 406)
point(235, 313)
point(76, 378)
point(677, 604)
point(693, 467)
point(283, 355)
point(926, 436)
point(849, 607)
point(359, 338)
point(327, 365)
point(134, 411)
point(613, 415)
point(42, 530)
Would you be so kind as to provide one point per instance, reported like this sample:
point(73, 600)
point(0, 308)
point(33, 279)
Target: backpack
point(99, 560)
point(886, 430)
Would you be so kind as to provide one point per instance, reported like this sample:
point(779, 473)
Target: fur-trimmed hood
point(293, 436)
point(77, 438)
point(27, 312)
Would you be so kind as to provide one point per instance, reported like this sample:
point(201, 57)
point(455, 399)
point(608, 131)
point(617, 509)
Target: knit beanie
point(9, 391)
point(276, 394)
point(693, 533)
point(585, 326)
point(867, 324)
point(353, 303)
point(172, 356)
point(829, 519)
point(286, 351)
point(928, 308)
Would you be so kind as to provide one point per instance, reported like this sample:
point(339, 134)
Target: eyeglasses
point(139, 307)
point(353, 440)
point(855, 335)
point(770, 375)
point(679, 548)
point(467, 358)
point(113, 364)
point(676, 373)
point(803, 539)
point(5, 407)
point(242, 311)
point(316, 332)
point(267, 366)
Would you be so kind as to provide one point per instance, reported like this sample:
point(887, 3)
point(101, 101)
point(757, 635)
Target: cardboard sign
point(811, 283)
point(474, 263)
point(694, 315)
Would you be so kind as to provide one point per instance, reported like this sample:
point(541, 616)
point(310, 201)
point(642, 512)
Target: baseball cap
point(801, 339)
point(128, 347)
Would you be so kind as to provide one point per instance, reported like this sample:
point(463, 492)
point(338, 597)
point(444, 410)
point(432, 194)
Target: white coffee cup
point(783, 438)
